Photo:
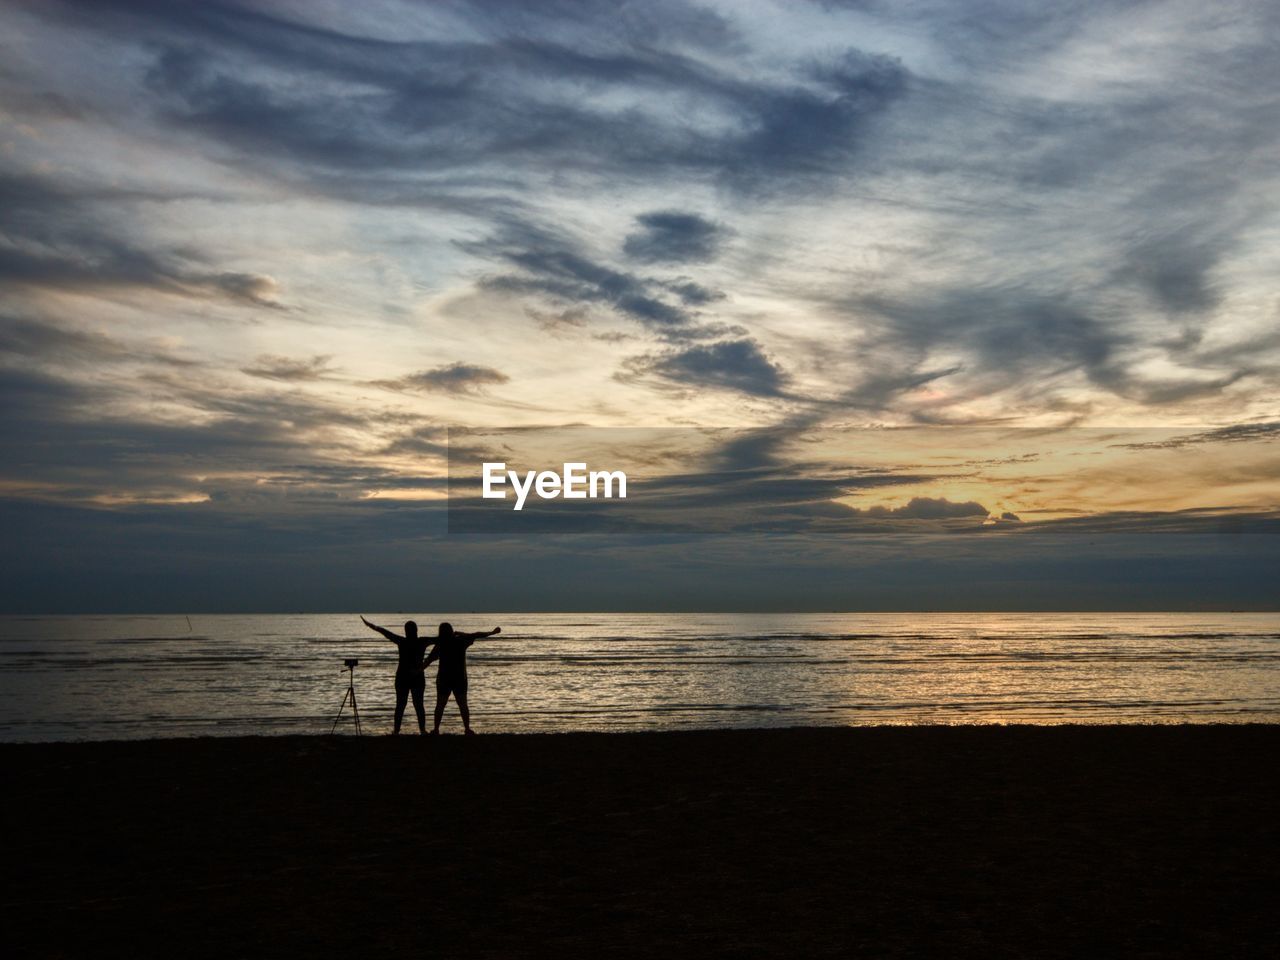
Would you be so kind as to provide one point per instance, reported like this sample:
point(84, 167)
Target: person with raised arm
point(411, 674)
point(451, 676)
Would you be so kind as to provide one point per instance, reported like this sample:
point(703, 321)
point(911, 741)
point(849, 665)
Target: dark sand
point(888, 842)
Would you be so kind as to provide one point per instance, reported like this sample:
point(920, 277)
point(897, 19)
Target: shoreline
point(982, 841)
point(451, 732)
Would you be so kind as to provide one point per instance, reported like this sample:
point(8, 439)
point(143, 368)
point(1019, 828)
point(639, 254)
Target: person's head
point(446, 629)
point(410, 628)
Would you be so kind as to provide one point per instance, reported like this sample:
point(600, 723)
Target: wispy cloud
point(57, 240)
point(452, 378)
point(289, 369)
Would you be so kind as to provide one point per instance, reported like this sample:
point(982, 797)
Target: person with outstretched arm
point(451, 675)
point(411, 674)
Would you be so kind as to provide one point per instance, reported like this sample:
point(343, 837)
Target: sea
point(67, 678)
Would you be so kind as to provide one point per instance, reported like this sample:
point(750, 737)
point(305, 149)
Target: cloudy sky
point(256, 259)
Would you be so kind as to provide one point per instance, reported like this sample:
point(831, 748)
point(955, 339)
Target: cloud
point(430, 439)
point(56, 349)
point(739, 365)
point(57, 240)
point(1176, 270)
point(271, 367)
point(558, 321)
point(1000, 333)
point(541, 99)
point(804, 131)
point(32, 104)
point(669, 236)
point(82, 440)
point(463, 378)
point(693, 294)
point(251, 288)
point(568, 276)
point(925, 508)
point(1015, 338)
point(1236, 433)
point(553, 268)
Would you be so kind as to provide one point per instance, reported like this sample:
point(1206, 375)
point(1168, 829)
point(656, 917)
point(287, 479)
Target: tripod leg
point(354, 710)
point(349, 692)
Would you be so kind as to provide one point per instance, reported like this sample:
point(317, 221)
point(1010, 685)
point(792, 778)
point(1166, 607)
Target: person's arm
point(478, 636)
point(382, 630)
point(433, 655)
point(473, 637)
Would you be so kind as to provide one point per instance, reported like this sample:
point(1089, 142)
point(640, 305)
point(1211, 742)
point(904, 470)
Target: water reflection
point(108, 677)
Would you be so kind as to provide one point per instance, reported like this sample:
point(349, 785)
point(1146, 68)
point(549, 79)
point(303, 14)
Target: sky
point(257, 260)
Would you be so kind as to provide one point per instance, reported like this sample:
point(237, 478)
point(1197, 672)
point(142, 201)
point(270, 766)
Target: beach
point(982, 841)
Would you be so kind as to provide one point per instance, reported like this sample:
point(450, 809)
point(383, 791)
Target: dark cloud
point(669, 236)
point(693, 294)
point(452, 378)
point(1176, 271)
point(805, 131)
point(433, 105)
point(762, 447)
point(925, 508)
point(1001, 332)
point(553, 268)
point(1018, 338)
point(729, 364)
point(250, 288)
point(568, 276)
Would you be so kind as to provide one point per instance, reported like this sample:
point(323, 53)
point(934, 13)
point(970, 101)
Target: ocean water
point(118, 677)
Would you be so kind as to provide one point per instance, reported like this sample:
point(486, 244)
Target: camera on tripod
point(349, 665)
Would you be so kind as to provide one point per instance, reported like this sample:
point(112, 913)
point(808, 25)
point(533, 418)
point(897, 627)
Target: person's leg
point(402, 697)
point(419, 687)
point(460, 694)
point(442, 697)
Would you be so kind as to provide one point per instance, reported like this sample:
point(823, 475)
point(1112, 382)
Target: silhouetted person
point(451, 675)
point(411, 674)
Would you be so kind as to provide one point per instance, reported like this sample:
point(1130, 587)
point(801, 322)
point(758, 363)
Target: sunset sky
point(257, 259)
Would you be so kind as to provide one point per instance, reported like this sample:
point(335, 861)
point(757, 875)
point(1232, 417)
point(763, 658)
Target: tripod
point(349, 695)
